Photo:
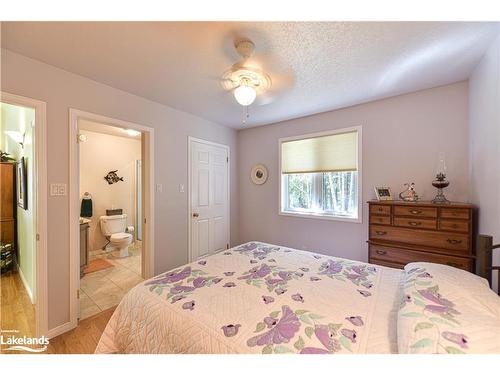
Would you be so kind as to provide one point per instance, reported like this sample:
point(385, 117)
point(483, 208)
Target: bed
point(263, 298)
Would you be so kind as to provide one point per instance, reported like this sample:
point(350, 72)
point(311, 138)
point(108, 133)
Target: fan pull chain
point(246, 116)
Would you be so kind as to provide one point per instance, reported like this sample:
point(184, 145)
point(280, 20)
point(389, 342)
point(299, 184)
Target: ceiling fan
point(245, 79)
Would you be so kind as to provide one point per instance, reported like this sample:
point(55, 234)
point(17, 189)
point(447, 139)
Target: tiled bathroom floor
point(104, 289)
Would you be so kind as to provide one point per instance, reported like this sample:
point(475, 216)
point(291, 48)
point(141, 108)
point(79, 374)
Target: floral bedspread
point(254, 298)
point(445, 310)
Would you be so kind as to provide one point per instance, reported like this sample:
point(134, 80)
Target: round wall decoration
point(259, 174)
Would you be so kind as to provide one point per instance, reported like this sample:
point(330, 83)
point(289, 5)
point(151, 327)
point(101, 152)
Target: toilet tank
point(113, 224)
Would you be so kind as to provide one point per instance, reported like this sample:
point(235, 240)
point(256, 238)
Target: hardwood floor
point(16, 310)
point(84, 338)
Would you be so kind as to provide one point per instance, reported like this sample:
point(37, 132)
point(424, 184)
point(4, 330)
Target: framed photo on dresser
point(383, 193)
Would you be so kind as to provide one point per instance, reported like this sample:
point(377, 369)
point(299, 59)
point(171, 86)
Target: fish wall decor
point(112, 177)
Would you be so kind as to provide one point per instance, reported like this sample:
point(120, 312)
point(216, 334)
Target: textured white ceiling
point(315, 66)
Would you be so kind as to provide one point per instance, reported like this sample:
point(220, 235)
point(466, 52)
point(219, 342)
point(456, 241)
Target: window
point(320, 175)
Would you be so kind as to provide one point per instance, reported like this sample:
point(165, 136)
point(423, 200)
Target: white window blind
point(330, 153)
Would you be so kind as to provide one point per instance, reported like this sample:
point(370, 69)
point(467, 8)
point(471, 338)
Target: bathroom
point(110, 204)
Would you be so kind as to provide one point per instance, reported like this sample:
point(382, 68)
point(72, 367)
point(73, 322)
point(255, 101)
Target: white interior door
point(209, 199)
point(138, 200)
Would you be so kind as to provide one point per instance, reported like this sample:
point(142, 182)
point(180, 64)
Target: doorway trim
point(199, 140)
point(40, 169)
point(147, 141)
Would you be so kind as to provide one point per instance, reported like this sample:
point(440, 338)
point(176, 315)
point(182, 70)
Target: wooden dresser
point(8, 208)
point(401, 232)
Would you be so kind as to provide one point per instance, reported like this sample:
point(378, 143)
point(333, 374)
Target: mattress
point(260, 298)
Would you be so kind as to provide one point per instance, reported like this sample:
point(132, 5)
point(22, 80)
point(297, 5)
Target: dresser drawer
point(415, 211)
point(454, 226)
point(404, 256)
point(454, 213)
point(380, 209)
point(417, 223)
point(377, 219)
point(445, 241)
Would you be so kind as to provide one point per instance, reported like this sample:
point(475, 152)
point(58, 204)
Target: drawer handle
point(380, 232)
point(380, 209)
point(415, 212)
point(381, 252)
point(415, 223)
point(455, 226)
point(453, 242)
point(453, 264)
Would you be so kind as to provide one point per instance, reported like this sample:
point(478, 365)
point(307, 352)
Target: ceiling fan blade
point(218, 79)
point(265, 99)
point(282, 77)
point(280, 86)
point(224, 83)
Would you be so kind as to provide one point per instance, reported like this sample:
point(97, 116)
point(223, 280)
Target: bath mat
point(97, 265)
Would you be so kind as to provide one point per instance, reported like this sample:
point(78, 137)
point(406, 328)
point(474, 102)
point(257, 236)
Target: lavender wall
point(401, 140)
point(484, 122)
point(62, 90)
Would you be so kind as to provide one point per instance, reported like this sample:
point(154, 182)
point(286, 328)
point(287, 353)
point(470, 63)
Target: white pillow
point(447, 310)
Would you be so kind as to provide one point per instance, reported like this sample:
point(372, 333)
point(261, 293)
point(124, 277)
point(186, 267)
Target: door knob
point(195, 214)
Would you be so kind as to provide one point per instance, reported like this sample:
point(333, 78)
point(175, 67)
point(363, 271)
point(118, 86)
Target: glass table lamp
point(440, 182)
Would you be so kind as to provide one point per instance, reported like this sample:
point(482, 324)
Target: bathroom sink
point(84, 220)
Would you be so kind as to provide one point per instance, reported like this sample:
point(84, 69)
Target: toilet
point(115, 230)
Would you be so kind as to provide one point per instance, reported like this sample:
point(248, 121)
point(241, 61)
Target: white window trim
point(312, 215)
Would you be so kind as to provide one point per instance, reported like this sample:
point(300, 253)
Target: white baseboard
point(26, 286)
point(60, 329)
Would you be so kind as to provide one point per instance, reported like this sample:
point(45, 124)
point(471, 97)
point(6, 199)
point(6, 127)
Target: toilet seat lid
point(120, 236)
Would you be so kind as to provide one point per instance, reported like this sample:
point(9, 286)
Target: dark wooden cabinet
point(8, 208)
point(402, 232)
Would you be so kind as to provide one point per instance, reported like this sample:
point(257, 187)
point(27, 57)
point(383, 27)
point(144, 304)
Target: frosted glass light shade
point(245, 95)
point(132, 132)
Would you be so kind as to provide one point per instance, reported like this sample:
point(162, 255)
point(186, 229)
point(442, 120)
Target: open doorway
point(111, 210)
point(23, 261)
point(110, 241)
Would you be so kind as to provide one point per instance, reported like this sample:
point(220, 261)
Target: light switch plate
point(181, 188)
point(54, 189)
point(57, 190)
point(159, 188)
point(62, 189)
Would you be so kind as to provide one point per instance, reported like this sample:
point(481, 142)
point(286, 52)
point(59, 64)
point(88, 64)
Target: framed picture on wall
point(21, 185)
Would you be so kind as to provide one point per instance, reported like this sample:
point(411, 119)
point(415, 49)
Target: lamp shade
point(244, 95)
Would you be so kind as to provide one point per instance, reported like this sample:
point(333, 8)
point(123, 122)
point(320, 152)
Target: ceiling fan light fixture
point(245, 79)
point(244, 94)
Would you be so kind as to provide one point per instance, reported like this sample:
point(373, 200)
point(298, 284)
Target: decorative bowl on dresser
point(404, 232)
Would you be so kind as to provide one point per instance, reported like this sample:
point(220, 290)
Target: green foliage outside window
point(330, 192)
